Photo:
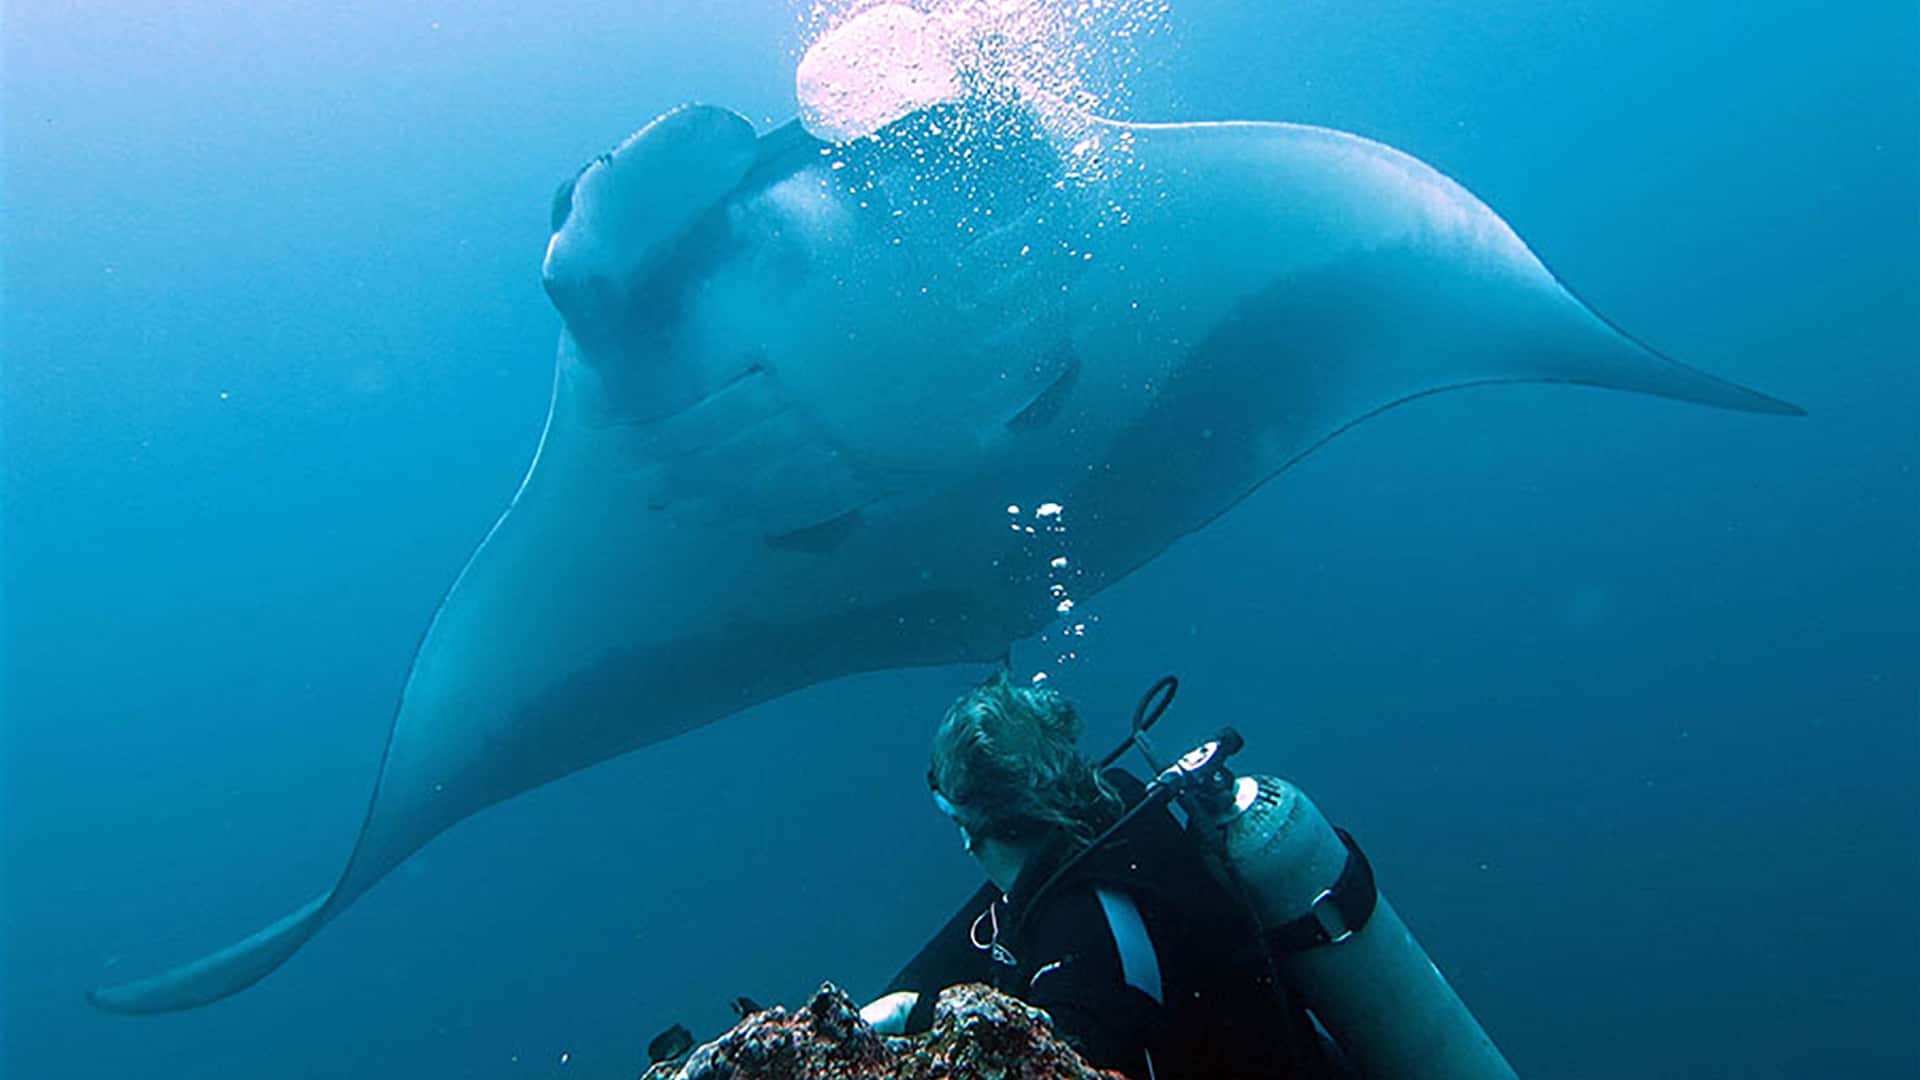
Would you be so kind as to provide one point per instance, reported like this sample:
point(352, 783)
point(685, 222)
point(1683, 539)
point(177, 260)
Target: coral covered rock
point(977, 1034)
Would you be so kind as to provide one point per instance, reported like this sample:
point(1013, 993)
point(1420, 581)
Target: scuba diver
point(1147, 962)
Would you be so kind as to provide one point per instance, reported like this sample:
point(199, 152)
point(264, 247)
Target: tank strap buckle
point(1326, 912)
point(1338, 913)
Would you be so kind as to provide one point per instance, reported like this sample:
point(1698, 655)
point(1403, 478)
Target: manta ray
point(809, 396)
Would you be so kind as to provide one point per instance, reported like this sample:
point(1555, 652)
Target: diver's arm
point(947, 959)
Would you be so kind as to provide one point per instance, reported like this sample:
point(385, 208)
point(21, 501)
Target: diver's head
point(1007, 768)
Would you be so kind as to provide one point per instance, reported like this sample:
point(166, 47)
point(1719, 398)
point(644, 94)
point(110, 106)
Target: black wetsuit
point(1144, 960)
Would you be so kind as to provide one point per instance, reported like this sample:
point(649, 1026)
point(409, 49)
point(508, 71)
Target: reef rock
point(978, 1033)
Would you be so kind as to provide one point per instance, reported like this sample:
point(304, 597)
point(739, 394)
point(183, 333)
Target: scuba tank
point(1342, 947)
point(1332, 937)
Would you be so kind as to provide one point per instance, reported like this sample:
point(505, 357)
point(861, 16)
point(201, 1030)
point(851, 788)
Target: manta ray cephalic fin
point(627, 209)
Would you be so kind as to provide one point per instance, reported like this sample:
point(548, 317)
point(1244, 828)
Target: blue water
point(1623, 696)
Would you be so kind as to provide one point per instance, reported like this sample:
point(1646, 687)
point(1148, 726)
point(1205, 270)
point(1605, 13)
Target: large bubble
point(1057, 63)
point(873, 69)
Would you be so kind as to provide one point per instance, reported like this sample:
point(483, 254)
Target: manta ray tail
point(228, 971)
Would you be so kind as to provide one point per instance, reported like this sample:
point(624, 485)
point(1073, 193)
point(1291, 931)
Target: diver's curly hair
point(1006, 756)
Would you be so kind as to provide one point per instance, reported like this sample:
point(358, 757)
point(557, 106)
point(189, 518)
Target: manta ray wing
point(515, 633)
point(1325, 278)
